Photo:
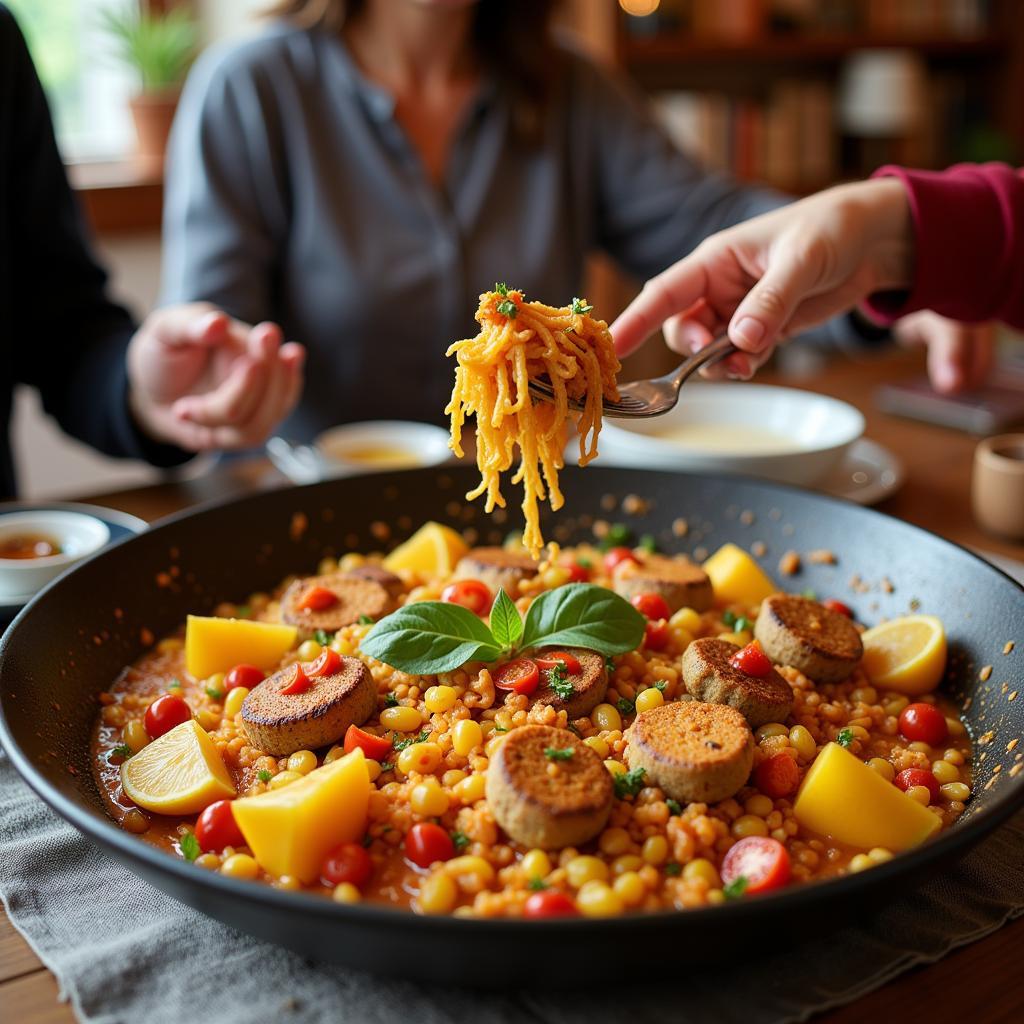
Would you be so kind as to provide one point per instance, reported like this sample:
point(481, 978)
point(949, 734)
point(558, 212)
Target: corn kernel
point(346, 892)
point(215, 683)
point(883, 767)
point(208, 719)
point(770, 729)
point(452, 777)
point(372, 767)
point(686, 618)
point(803, 742)
point(134, 735)
point(339, 751)
point(326, 566)
point(629, 888)
point(440, 698)
point(233, 701)
point(437, 894)
point(655, 850)
point(536, 864)
point(649, 698)
point(282, 779)
point(894, 704)
point(739, 639)
point(702, 868)
point(955, 726)
point(615, 767)
point(627, 862)
point(428, 799)
point(554, 576)
point(760, 805)
point(953, 756)
point(471, 789)
point(466, 735)
point(420, 757)
point(606, 717)
point(309, 650)
point(302, 761)
point(353, 560)
point(919, 747)
point(210, 861)
point(597, 899)
point(585, 869)
point(598, 745)
point(682, 638)
point(859, 732)
point(880, 854)
point(240, 865)
point(614, 841)
point(955, 791)
point(864, 695)
point(402, 719)
point(472, 873)
point(922, 794)
point(749, 825)
point(945, 772)
point(861, 862)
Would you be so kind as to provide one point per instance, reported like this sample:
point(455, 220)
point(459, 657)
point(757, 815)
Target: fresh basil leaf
point(506, 623)
point(189, 846)
point(583, 615)
point(428, 637)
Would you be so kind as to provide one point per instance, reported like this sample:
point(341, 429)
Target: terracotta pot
point(153, 113)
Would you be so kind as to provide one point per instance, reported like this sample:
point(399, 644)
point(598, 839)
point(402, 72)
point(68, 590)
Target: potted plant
point(160, 46)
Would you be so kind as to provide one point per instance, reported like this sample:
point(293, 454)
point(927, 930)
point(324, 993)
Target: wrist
point(883, 204)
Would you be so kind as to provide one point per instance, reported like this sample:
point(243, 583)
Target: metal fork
point(640, 398)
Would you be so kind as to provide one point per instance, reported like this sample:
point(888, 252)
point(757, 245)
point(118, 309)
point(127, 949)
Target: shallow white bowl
point(77, 535)
point(795, 436)
point(422, 444)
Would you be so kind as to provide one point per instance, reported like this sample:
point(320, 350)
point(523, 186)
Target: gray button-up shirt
point(294, 195)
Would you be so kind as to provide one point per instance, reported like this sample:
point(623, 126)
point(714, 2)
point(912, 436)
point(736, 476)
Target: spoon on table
point(654, 397)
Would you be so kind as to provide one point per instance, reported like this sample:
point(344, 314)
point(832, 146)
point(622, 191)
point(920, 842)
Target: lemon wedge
point(907, 655)
point(433, 550)
point(180, 772)
point(217, 645)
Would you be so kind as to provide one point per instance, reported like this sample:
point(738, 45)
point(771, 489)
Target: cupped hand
point(959, 355)
point(202, 380)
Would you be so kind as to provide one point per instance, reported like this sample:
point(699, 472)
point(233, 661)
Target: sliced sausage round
point(821, 643)
point(589, 685)
point(548, 801)
point(499, 568)
point(281, 723)
point(710, 676)
point(693, 751)
point(354, 597)
point(679, 581)
point(388, 580)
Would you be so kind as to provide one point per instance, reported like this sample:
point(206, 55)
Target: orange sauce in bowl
point(28, 545)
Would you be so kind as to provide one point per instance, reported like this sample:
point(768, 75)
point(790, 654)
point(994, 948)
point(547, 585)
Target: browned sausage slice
point(693, 751)
point(821, 643)
point(710, 676)
point(678, 580)
point(354, 598)
point(497, 567)
point(548, 802)
point(589, 685)
point(281, 723)
point(388, 580)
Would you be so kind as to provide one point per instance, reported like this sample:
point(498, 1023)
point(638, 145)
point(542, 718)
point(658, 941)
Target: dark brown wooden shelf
point(119, 197)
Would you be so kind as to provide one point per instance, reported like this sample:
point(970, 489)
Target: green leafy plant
point(160, 47)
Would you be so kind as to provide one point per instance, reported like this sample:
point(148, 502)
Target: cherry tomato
point(656, 635)
point(577, 573)
point(243, 675)
point(316, 599)
point(552, 659)
point(924, 723)
point(777, 776)
point(426, 843)
point(837, 606)
point(346, 863)
point(761, 860)
point(549, 903)
point(216, 828)
point(521, 675)
point(751, 661)
point(298, 681)
point(471, 594)
point(918, 777)
point(617, 556)
point(654, 606)
point(374, 747)
point(165, 713)
point(326, 664)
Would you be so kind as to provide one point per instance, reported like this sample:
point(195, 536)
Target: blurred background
point(798, 94)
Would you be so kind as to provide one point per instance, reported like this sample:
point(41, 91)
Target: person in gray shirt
point(361, 171)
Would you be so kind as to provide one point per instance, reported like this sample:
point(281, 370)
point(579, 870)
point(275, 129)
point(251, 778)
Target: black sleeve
point(68, 339)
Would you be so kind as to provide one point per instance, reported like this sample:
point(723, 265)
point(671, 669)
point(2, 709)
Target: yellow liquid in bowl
point(389, 456)
point(728, 439)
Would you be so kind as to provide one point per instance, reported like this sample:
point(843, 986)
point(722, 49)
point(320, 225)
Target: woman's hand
point(959, 355)
point(201, 380)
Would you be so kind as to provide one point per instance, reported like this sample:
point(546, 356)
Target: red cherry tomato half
point(216, 828)
point(549, 903)
point(165, 713)
point(316, 599)
point(325, 665)
point(577, 573)
point(654, 606)
point(656, 635)
point(374, 747)
point(617, 556)
point(521, 675)
point(751, 661)
point(471, 594)
point(837, 606)
point(924, 723)
point(777, 776)
point(298, 681)
point(761, 860)
point(347, 863)
point(552, 659)
point(918, 777)
point(243, 675)
point(426, 843)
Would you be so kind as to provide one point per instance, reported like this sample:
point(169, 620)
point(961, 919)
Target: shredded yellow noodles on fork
point(520, 341)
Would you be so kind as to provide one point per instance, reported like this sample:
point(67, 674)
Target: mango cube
point(290, 830)
point(843, 798)
point(736, 578)
point(433, 550)
point(217, 645)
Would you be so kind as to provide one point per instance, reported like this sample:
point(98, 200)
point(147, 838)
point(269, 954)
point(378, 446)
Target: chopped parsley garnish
point(661, 685)
point(629, 783)
point(536, 885)
point(609, 664)
point(322, 637)
point(366, 620)
point(736, 888)
point(500, 728)
point(845, 737)
point(264, 775)
point(460, 840)
point(559, 753)
point(584, 563)
point(742, 623)
point(243, 611)
point(672, 868)
point(390, 700)
point(508, 308)
point(189, 846)
point(811, 594)
point(410, 740)
point(176, 683)
point(625, 706)
point(674, 806)
point(386, 766)
point(122, 750)
point(501, 288)
point(729, 618)
point(558, 680)
point(572, 728)
point(366, 841)
point(648, 543)
point(580, 306)
point(213, 693)
point(618, 536)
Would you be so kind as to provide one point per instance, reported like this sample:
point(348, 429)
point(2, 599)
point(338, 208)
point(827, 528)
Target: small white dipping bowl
point(755, 429)
point(376, 445)
point(76, 534)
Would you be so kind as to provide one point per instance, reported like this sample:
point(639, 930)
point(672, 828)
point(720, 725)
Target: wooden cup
point(997, 485)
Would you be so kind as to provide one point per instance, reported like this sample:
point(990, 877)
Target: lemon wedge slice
point(180, 772)
point(433, 550)
point(907, 655)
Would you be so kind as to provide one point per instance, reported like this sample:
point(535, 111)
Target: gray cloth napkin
point(124, 952)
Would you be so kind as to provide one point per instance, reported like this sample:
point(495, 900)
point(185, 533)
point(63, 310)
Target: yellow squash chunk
point(844, 799)
point(907, 655)
point(180, 772)
point(290, 830)
point(218, 645)
point(736, 578)
point(432, 550)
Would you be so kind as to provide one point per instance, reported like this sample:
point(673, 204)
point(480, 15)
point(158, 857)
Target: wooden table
point(935, 495)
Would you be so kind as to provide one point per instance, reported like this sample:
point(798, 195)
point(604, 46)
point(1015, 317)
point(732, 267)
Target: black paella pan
point(74, 638)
